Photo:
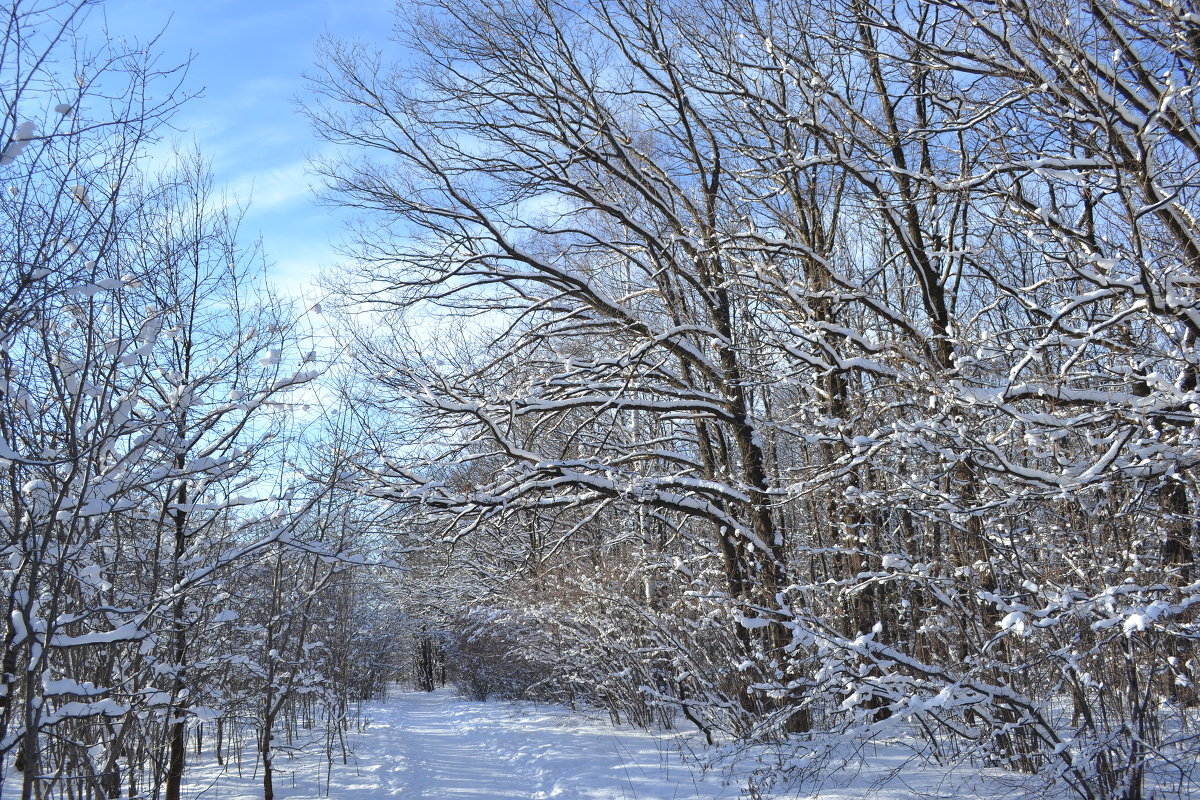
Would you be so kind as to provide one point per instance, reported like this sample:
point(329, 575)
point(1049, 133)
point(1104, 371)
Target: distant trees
point(844, 353)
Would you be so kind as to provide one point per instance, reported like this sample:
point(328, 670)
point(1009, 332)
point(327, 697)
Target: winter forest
point(803, 373)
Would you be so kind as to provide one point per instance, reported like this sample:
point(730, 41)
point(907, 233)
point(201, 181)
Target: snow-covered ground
point(436, 746)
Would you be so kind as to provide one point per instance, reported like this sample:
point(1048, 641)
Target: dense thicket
point(814, 368)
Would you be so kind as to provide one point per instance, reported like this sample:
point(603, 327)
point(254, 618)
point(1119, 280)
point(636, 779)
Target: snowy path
point(422, 752)
point(434, 746)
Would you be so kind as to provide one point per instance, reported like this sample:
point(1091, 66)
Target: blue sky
point(248, 57)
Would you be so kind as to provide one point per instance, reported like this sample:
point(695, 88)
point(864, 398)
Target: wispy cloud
point(274, 187)
point(248, 60)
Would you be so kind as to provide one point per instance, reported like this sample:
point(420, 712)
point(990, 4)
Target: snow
point(125, 633)
point(437, 746)
point(16, 145)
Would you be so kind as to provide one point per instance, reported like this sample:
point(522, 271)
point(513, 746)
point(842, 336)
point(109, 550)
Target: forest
point(808, 374)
